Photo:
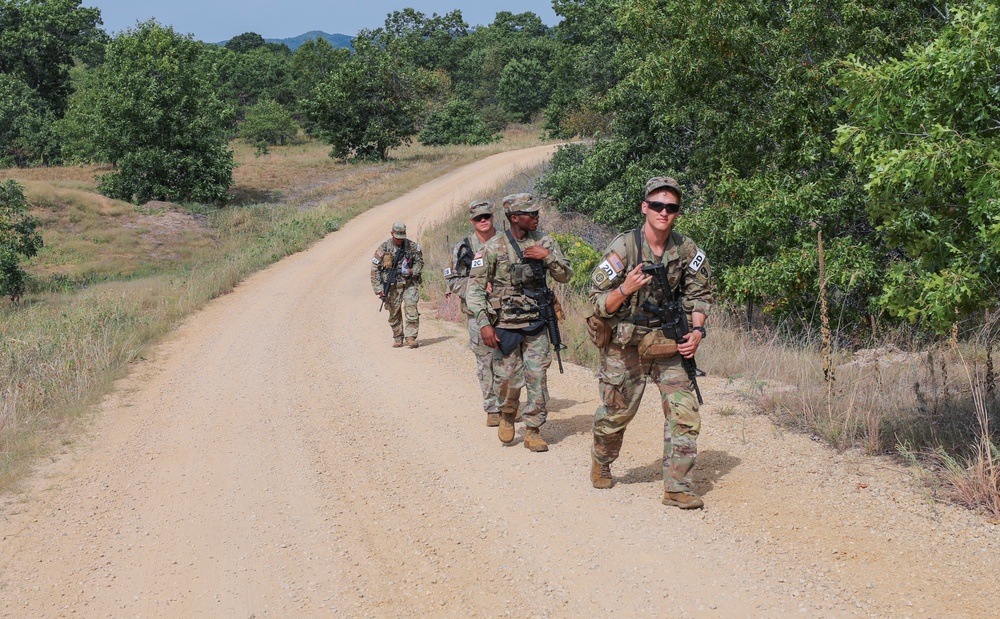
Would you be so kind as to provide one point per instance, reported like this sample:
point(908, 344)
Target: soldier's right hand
point(635, 280)
point(489, 336)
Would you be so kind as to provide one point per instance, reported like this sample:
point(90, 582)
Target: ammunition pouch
point(599, 331)
point(655, 345)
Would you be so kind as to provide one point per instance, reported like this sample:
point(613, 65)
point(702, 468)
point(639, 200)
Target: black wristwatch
point(704, 334)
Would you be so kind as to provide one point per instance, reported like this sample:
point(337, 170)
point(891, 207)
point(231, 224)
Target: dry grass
point(114, 277)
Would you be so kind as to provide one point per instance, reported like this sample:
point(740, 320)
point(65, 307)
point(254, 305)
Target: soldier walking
point(395, 276)
point(634, 347)
point(457, 279)
point(505, 280)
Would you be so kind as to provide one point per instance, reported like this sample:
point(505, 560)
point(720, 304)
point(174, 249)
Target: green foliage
point(255, 74)
point(39, 39)
point(583, 257)
point(269, 123)
point(522, 89)
point(248, 41)
point(152, 112)
point(369, 105)
point(923, 133)
point(19, 239)
point(734, 99)
point(26, 136)
point(456, 123)
point(313, 62)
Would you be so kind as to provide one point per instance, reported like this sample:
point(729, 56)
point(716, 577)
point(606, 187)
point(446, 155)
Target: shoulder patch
point(478, 262)
point(447, 272)
point(697, 261)
point(379, 253)
point(479, 254)
point(418, 247)
point(376, 261)
point(609, 269)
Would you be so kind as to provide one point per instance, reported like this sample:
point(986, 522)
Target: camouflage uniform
point(404, 295)
point(457, 279)
point(622, 374)
point(508, 307)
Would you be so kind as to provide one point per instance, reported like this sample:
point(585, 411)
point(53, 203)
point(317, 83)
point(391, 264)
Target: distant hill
point(293, 43)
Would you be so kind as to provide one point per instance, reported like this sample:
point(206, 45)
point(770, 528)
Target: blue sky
point(218, 20)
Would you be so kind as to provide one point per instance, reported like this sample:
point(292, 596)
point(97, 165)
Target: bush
point(26, 137)
point(269, 124)
point(18, 239)
point(456, 123)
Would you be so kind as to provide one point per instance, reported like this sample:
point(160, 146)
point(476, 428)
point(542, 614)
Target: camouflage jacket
point(413, 259)
point(688, 273)
point(507, 305)
point(456, 275)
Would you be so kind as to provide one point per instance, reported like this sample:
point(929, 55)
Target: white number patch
point(608, 270)
point(447, 272)
point(376, 261)
point(699, 259)
point(477, 263)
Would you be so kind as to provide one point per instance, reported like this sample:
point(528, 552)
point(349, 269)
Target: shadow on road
point(435, 340)
point(559, 429)
point(712, 466)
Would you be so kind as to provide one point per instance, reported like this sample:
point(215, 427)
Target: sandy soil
point(275, 457)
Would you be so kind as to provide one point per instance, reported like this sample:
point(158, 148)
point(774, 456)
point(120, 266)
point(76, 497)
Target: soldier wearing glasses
point(618, 290)
point(457, 278)
point(501, 283)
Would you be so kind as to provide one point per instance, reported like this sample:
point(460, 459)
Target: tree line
point(870, 124)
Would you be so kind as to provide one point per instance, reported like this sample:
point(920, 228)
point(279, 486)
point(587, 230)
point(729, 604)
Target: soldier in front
point(395, 277)
point(457, 278)
point(633, 346)
point(504, 284)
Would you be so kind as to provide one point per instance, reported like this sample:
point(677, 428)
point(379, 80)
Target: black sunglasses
point(532, 214)
point(479, 218)
point(672, 207)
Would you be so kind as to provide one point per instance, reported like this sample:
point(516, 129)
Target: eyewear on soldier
point(671, 207)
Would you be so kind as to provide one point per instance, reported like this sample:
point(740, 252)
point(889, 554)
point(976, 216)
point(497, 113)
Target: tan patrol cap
point(480, 207)
point(520, 202)
point(399, 230)
point(661, 182)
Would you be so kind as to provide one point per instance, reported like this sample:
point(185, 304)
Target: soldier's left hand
point(536, 252)
point(689, 346)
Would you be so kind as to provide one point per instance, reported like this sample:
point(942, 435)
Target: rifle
point(393, 276)
point(673, 320)
point(465, 254)
point(547, 309)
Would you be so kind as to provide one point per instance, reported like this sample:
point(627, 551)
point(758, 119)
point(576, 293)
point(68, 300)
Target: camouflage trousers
point(484, 368)
point(622, 381)
point(526, 365)
point(403, 300)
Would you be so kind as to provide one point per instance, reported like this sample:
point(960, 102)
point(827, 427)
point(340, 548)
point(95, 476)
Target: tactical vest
point(514, 308)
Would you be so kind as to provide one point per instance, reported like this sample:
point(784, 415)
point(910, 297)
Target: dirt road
point(274, 457)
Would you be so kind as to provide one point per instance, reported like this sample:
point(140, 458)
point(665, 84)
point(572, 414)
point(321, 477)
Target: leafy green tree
point(369, 105)
point(522, 89)
point(19, 239)
point(924, 133)
point(40, 38)
point(255, 74)
point(26, 135)
point(151, 111)
point(313, 62)
point(248, 41)
point(266, 124)
point(455, 123)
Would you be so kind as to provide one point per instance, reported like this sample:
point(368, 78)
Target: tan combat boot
point(397, 343)
point(492, 420)
point(600, 474)
point(533, 440)
point(506, 429)
point(683, 500)
point(412, 342)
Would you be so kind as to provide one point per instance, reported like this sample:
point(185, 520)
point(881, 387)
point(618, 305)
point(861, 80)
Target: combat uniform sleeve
point(607, 275)
point(483, 270)
point(557, 264)
point(698, 289)
point(376, 267)
point(455, 281)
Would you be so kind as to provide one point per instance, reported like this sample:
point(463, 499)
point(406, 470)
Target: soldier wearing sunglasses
point(633, 347)
point(504, 281)
point(457, 278)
